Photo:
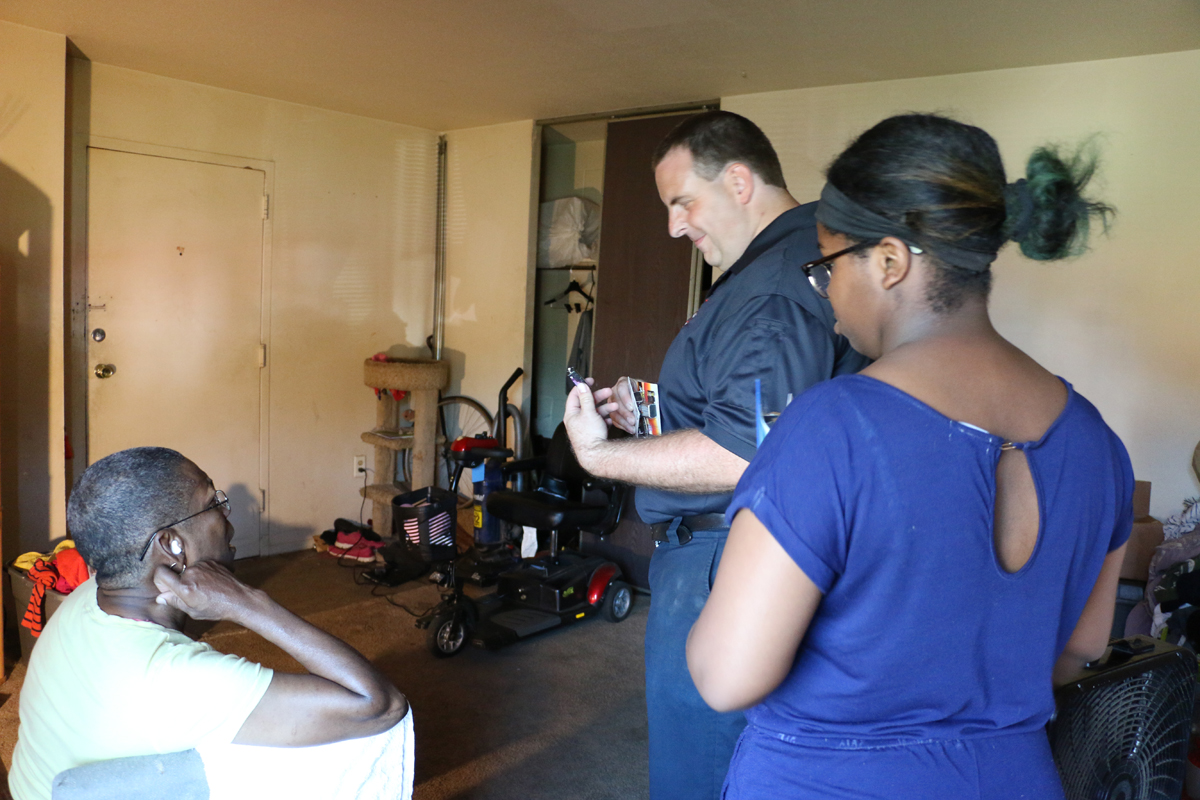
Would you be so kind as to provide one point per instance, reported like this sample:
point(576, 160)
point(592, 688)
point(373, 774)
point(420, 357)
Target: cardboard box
point(1147, 535)
point(22, 588)
point(1141, 499)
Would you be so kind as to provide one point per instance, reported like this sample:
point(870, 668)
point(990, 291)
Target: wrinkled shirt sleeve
point(771, 339)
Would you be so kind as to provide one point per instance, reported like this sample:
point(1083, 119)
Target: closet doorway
point(613, 288)
point(642, 286)
point(571, 196)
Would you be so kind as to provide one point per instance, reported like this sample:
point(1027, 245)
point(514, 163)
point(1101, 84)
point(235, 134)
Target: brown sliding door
point(644, 274)
point(641, 300)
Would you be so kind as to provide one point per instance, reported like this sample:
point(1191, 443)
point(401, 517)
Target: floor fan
point(1121, 729)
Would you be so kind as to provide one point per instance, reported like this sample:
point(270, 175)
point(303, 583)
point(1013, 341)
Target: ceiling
point(446, 64)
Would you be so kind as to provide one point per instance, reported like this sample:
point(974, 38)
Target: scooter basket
point(426, 521)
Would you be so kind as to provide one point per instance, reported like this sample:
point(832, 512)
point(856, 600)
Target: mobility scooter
point(541, 593)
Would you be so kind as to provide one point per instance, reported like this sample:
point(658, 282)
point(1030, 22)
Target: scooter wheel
point(448, 634)
point(618, 601)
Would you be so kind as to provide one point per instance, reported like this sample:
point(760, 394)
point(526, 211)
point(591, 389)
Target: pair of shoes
point(354, 546)
point(364, 552)
point(347, 539)
point(350, 526)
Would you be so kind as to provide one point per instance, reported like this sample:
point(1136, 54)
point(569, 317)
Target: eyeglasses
point(220, 500)
point(820, 271)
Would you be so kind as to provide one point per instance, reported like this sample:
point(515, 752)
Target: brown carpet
point(559, 715)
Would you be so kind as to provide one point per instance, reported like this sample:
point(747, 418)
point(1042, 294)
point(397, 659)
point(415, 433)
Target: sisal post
point(424, 406)
point(387, 415)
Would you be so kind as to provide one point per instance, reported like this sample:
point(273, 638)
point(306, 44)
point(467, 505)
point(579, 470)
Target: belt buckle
point(683, 533)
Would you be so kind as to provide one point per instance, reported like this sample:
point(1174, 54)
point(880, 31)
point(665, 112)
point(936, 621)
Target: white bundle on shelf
point(568, 232)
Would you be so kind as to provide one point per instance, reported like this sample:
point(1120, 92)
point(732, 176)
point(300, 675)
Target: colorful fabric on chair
point(62, 571)
point(42, 574)
point(72, 571)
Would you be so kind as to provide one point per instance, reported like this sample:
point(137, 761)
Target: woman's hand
point(205, 591)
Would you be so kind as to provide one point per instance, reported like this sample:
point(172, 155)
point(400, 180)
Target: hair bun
point(1018, 210)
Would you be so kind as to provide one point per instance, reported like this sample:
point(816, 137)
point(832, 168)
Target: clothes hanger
point(573, 286)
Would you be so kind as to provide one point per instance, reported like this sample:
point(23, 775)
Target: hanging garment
point(42, 575)
point(62, 571)
point(581, 351)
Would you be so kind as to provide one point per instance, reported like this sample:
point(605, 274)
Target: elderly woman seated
point(114, 676)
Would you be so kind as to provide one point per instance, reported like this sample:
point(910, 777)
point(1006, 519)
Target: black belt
point(696, 522)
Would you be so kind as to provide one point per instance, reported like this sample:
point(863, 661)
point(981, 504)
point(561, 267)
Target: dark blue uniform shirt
point(762, 320)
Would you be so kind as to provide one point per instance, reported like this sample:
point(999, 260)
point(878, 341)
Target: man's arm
point(772, 339)
point(681, 461)
point(343, 697)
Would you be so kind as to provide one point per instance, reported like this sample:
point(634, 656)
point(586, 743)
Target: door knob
point(98, 335)
point(105, 370)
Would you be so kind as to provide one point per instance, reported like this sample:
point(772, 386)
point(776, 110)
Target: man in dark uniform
point(723, 187)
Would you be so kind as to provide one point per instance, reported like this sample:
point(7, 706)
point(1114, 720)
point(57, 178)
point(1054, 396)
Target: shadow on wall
point(258, 571)
point(408, 350)
point(75, 375)
point(244, 505)
point(25, 219)
point(458, 364)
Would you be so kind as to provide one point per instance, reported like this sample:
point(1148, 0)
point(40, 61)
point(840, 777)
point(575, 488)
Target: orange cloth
point(71, 570)
point(42, 574)
point(64, 573)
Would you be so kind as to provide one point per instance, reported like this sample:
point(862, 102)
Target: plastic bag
point(568, 232)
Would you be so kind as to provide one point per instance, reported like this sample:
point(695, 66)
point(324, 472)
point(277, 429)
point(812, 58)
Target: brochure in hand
point(645, 399)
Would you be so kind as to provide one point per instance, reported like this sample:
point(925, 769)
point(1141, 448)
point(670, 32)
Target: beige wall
point(589, 166)
point(1120, 323)
point(490, 197)
point(32, 109)
point(351, 268)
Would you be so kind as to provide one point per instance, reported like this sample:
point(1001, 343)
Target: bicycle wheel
point(457, 417)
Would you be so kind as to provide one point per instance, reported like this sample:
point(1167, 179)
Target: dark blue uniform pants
point(690, 744)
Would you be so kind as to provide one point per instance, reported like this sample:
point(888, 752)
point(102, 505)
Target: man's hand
point(205, 591)
point(620, 409)
point(586, 428)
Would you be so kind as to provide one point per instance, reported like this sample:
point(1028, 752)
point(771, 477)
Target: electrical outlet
point(360, 466)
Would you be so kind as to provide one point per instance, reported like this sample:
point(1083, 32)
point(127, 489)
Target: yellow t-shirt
point(101, 687)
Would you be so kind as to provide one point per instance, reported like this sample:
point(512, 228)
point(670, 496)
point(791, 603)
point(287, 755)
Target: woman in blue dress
point(921, 551)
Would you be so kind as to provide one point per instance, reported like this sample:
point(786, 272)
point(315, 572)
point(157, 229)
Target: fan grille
point(1125, 738)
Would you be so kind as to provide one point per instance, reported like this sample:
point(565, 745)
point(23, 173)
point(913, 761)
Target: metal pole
point(439, 255)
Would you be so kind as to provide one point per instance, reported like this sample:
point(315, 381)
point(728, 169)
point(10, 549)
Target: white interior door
point(175, 265)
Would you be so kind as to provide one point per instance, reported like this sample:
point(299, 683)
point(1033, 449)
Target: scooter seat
point(542, 510)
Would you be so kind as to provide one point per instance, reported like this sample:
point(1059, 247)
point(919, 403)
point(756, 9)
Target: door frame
point(79, 333)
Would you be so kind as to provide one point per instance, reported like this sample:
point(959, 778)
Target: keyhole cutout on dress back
point(1016, 518)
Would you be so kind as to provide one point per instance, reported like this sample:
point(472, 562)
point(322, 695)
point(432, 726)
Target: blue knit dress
point(926, 671)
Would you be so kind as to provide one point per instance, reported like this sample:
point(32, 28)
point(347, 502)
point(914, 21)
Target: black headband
point(839, 213)
point(1018, 208)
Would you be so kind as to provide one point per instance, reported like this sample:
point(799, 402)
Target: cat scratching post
point(422, 379)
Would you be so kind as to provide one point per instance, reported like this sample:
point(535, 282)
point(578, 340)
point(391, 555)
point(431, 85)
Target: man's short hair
point(716, 139)
point(118, 502)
